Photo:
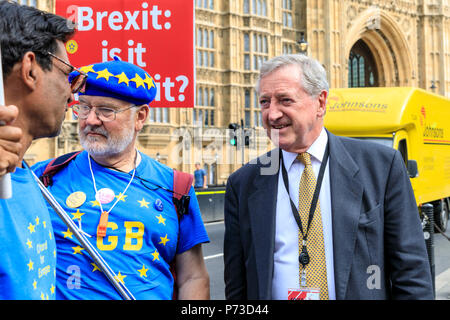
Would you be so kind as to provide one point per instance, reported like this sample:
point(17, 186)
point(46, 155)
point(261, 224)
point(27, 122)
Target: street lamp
point(302, 43)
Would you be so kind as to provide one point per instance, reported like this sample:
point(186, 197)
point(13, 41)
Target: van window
point(403, 150)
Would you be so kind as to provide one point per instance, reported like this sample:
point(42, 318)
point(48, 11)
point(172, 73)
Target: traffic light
point(233, 139)
point(247, 134)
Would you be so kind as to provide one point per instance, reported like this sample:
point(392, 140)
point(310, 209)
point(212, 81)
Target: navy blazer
point(375, 222)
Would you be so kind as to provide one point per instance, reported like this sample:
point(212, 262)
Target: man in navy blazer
point(374, 245)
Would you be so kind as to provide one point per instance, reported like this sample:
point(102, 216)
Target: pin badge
point(158, 204)
point(76, 199)
point(104, 195)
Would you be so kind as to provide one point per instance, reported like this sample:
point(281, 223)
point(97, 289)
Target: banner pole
point(5, 181)
point(103, 266)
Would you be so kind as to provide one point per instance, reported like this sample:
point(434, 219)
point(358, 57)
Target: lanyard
point(315, 196)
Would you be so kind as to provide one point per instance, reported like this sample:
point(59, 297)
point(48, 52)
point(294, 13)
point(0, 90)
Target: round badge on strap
point(105, 195)
point(76, 199)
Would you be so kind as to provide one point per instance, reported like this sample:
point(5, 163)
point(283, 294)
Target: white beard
point(98, 147)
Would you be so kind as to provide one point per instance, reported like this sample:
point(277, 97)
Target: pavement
point(442, 265)
point(214, 262)
point(443, 285)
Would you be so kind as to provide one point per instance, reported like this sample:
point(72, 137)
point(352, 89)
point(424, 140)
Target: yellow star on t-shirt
point(143, 271)
point(155, 255)
point(31, 227)
point(67, 234)
point(95, 267)
point(42, 296)
point(164, 240)
point(77, 215)
point(37, 221)
point(95, 203)
point(120, 278)
point(44, 223)
point(52, 289)
point(35, 284)
point(30, 265)
point(143, 203)
point(122, 78)
point(104, 74)
point(29, 244)
point(121, 197)
point(161, 219)
point(77, 249)
point(139, 81)
point(149, 81)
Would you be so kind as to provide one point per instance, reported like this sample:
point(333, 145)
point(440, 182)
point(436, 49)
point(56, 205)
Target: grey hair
point(312, 74)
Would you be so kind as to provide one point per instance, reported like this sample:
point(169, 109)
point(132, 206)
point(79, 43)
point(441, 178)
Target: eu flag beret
point(118, 79)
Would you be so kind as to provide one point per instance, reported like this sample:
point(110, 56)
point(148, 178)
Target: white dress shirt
point(286, 264)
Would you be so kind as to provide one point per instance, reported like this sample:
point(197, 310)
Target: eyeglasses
point(79, 81)
point(105, 114)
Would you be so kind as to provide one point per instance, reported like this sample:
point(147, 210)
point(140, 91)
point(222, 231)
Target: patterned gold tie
point(316, 270)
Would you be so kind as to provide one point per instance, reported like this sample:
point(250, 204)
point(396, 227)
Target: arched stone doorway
point(375, 34)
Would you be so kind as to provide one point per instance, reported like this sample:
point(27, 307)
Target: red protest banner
point(156, 35)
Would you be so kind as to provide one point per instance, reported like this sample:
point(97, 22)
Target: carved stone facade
point(409, 41)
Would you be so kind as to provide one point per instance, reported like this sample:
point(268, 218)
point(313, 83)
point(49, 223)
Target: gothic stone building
point(360, 42)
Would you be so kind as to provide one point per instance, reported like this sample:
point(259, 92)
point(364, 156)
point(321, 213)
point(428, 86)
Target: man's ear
point(141, 116)
point(29, 71)
point(322, 103)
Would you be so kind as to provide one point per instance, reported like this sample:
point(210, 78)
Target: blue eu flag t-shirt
point(143, 232)
point(27, 244)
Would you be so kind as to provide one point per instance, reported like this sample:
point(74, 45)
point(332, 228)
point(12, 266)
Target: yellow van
point(411, 120)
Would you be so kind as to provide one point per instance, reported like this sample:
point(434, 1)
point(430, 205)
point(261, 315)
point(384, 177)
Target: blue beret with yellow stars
point(118, 79)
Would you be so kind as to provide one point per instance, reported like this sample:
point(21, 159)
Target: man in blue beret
point(122, 200)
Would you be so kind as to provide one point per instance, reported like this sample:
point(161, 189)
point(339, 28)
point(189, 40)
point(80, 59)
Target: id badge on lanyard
point(305, 293)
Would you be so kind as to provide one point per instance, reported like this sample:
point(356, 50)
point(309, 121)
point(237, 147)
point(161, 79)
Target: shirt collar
point(316, 150)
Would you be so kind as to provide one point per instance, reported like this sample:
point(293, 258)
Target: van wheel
point(441, 216)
